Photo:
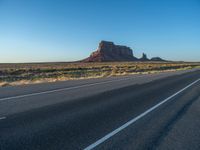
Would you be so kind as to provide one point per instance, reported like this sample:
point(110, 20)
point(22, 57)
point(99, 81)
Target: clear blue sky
point(67, 30)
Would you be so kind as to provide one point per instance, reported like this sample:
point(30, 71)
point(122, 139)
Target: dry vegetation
point(17, 74)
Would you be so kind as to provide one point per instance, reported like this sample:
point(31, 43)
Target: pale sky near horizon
point(69, 30)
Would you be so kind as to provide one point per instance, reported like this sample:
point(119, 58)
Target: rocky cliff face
point(144, 57)
point(108, 51)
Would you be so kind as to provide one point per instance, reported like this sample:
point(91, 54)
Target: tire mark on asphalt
point(169, 126)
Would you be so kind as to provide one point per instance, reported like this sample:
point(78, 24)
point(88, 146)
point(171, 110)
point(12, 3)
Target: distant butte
point(109, 52)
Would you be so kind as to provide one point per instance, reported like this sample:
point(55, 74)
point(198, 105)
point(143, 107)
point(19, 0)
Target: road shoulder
point(185, 134)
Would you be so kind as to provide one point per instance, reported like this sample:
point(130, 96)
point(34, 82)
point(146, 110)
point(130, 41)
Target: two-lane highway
point(131, 112)
point(22, 98)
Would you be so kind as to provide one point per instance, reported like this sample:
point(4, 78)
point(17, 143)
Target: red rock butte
point(109, 52)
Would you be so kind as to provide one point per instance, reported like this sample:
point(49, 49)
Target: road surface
point(156, 111)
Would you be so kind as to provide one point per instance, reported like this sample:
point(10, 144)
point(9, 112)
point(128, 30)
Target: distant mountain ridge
point(108, 52)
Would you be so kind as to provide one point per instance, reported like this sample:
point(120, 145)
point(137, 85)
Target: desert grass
point(32, 73)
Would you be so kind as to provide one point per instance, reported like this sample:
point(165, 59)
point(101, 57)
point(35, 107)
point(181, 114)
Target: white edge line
point(1, 118)
point(109, 135)
point(68, 88)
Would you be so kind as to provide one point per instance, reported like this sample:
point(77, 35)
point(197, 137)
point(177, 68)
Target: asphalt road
point(158, 111)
